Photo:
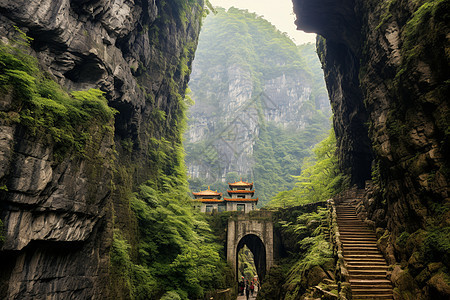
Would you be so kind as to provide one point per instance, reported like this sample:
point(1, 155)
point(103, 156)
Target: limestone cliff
point(249, 81)
point(58, 208)
point(386, 64)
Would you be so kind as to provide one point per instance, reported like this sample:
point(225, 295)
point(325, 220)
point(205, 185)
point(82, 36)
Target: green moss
point(387, 14)
point(304, 237)
point(45, 108)
point(401, 240)
point(121, 264)
point(436, 246)
point(422, 34)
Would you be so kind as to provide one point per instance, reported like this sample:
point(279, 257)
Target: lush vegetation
point(308, 254)
point(174, 255)
point(45, 108)
point(238, 41)
point(177, 257)
point(246, 264)
point(319, 180)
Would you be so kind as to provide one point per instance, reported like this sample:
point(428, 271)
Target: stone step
point(363, 256)
point(374, 291)
point(371, 287)
point(357, 233)
point(351, 222)
point(375, 272)
point(368, 276)
point(373, 263)
point(360, 252)
point(361, 247)
point(360, 243)
point(354, 227)
point(356, 243)
point(356, 236)
point(369, 282)
point(367, 260)
point(365, 263)
point(377, 297)
point(361, 238)
point(347, 234)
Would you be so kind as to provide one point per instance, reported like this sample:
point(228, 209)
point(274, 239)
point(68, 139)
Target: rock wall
point(248, 79)
point(386, 65)
point(58, 214)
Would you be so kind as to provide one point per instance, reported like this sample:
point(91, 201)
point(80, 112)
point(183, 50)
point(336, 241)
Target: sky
point(277, 12)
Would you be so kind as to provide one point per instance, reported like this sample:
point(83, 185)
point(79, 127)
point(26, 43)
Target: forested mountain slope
point(260, 104)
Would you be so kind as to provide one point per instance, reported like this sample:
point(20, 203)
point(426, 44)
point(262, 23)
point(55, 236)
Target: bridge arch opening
point(257, 247)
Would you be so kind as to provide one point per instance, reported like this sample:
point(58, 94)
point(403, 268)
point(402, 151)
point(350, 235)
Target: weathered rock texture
point(58, 214)
point(248, 81)
point(386, 65)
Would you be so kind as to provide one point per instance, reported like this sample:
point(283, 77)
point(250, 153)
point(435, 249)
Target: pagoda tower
point(241, 194)
point(209, 200)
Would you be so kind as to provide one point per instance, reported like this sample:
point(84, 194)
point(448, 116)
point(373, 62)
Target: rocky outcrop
point(58, 212)
point(386, 67)
point(254, 79)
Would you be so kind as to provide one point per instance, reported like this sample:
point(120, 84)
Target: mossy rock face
point(415, 262)
point(415, 241)
point(433, 267)
point(423, 277)
point(315, 276)
point(403, 280)
point(439, 286)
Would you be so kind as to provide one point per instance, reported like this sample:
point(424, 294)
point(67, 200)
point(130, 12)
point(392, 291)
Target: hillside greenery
point(246, 264)
point(308, 254)
point(319, 180)
point(237, 40)
point(177, 256)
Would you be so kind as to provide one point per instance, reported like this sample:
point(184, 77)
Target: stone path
point(255, 292)
point(364, 261)
point(245, 298)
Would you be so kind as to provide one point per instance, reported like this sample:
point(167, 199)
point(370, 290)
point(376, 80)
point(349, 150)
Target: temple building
point(209, 200)
point(240, 194)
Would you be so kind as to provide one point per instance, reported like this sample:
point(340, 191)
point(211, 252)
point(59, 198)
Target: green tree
point(319, 180)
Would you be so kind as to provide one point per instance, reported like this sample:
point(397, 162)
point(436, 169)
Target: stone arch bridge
point(254, 229)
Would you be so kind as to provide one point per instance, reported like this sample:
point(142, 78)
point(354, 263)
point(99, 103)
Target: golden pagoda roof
point(207, 192)
point(240, 183)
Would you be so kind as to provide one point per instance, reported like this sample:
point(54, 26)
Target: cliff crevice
point(397, 80)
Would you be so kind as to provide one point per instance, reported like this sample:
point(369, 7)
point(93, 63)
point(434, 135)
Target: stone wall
point(242, 227)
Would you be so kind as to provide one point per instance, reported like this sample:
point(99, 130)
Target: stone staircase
point(365, 263)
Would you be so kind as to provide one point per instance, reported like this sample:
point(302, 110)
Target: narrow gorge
point(102, 142)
